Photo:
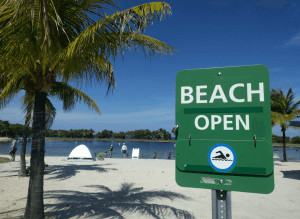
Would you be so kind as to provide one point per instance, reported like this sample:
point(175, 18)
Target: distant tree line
point(279, 139)
point(16, 130)
point(72, 133)
point(90, 133)
point(11, 130)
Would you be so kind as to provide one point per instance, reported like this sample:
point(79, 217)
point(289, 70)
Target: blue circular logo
point(222, 157)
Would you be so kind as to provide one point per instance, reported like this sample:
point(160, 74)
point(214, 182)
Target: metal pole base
point(221, 204)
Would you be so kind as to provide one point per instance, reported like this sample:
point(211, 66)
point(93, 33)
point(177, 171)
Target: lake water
point(63, 148)
point(147, 149)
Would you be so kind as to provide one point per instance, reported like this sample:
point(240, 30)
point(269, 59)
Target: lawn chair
point(135, 153)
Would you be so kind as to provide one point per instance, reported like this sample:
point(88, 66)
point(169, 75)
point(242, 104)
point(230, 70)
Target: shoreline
point(108, 139)
point(6, 139)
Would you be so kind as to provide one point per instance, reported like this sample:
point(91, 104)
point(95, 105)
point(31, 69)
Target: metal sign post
point(221, 204)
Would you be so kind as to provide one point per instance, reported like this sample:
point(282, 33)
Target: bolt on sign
point(224, 139)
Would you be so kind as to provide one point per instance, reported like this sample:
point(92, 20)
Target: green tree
point(167, 136)
point(5, 128)
point(157, 134)
point(17, 129)
point(106, 134)
point(119, 135)
point(296, 140)
point(45, 44)
point(283, 110)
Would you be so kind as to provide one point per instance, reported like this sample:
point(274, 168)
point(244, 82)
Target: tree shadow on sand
point(63, 172)
point(107, 203)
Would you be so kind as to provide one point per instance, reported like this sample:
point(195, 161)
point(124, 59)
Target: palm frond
point(282, 118)
point(50, 113)
point(70, 95)
point(13, 85)
point(105, 35)
point(87, 67)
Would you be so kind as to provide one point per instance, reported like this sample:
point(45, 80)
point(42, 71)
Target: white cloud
point(294, 41)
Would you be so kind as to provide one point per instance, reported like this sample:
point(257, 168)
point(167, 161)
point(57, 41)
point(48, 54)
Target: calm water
point(63, 148)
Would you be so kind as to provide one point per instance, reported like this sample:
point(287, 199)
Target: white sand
point(117, 188)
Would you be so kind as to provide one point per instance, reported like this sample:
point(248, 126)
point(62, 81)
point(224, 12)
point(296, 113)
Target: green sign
point(224, 137)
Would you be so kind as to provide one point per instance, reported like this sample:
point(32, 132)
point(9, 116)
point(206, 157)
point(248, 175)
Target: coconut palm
point(69, 96)
point(283, 110)
point(46, 44)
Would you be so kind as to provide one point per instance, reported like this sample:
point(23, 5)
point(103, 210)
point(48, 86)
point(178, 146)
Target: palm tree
point(28, 108)
point(46, 44)
point(283, 110)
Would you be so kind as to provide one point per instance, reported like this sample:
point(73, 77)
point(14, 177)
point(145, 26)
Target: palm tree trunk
point(284, 147)
point(35, 202)
point(23, 146)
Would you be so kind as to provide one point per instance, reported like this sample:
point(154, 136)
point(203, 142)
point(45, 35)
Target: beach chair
point(135, 153)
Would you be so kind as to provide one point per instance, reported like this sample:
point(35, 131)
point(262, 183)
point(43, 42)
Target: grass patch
point(4, 160)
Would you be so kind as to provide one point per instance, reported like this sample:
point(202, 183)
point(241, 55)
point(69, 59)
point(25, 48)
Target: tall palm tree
point(46, 44)
point(283, 110)
point(28, 108)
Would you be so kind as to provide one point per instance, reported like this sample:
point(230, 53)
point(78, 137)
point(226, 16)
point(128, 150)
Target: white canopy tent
point(81, 152)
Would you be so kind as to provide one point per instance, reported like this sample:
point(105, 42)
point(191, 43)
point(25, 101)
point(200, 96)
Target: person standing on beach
point(169, 157)
point(155, 155)
point(124, 150)
point(111, 150)
point(13, 149)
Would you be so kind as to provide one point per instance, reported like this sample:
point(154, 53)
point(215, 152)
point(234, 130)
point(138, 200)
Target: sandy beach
point(117, 188)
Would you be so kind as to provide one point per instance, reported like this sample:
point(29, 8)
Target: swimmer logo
point(222, 157)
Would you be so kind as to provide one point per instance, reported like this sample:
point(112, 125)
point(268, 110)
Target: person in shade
point(124, 150)
point(13, 149)
point(111, 150)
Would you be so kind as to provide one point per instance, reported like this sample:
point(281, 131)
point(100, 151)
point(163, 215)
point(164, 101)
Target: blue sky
point(210, 33)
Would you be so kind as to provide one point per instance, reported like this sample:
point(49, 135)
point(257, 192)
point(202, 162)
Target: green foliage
point(5, 130)
point(11, 130)
point(283, 107)
point(140, 134)
point(105, 134)
point(18, 129)
point(72, 133)
point(296, 140)
point(89, 133)
point(119, 135)
point(279, 139)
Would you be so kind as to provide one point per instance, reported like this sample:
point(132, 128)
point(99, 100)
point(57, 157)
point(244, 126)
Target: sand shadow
point(14, 171)
point(13, 214)
point(63, 172)
point(113, 204)
point(291, 174)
